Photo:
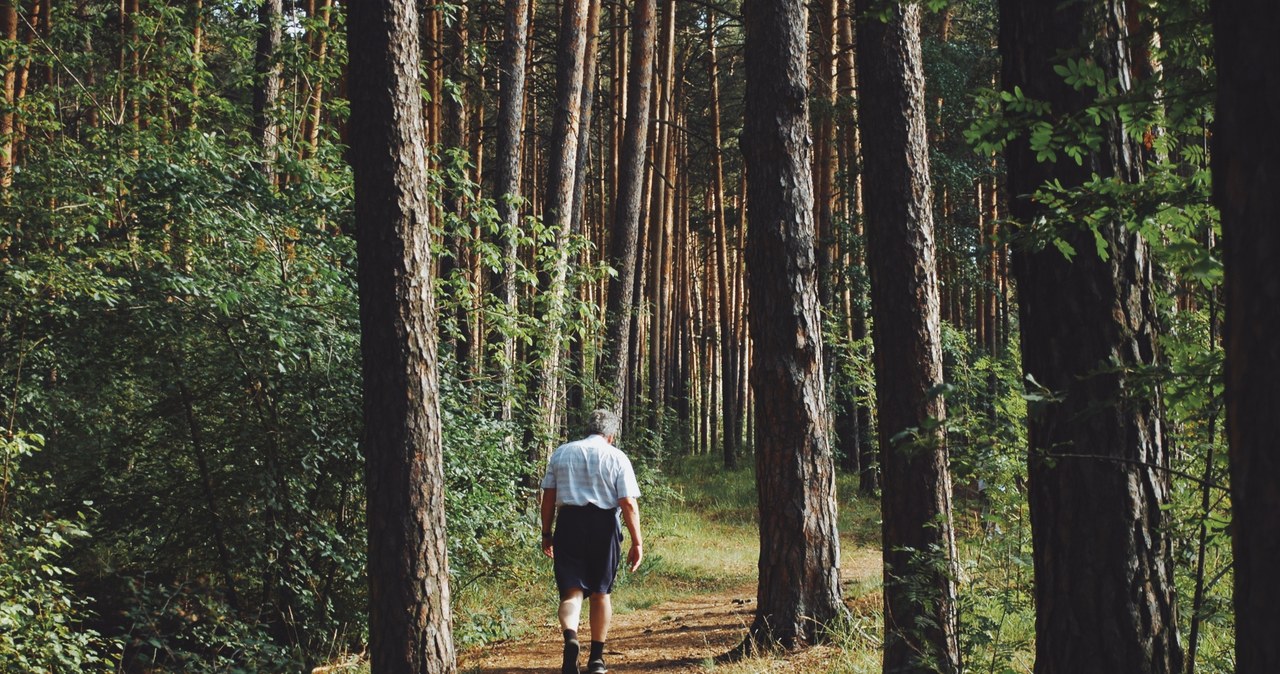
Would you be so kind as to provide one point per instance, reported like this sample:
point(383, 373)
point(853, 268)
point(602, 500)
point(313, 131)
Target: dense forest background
point(182, 480)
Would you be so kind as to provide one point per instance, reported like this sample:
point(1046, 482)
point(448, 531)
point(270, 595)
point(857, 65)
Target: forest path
point(681, 635)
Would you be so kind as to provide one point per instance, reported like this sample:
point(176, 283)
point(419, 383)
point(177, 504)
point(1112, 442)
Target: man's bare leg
point(570, 614)
point(601, 616)
point(571, 610)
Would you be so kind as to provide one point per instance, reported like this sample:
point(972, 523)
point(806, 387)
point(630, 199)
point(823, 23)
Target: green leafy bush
point(42, 616)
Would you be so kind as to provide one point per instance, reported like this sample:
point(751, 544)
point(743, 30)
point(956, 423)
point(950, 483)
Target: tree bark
point(410, 630)
point(557, 215)
point(799, 588)
point(1246, 163)
point(587, 106)
point(727, 335)
point(575, 398)
point(455, 265)
point(9, 33)
point(624, 240)
point(266, 90)
point(197, 59)
point(511, 84)
point(660, 210)
point(1103, 567)
point(824, 159)
point(315, 102)
point(921, 630)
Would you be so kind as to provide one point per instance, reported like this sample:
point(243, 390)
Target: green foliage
point(482, 495)
point(986, 440)
point(42, 616)
point(183, 335)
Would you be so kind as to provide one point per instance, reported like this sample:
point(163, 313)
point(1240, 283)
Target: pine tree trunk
point(850, 152)
point(1097, 462)
point(511, 84)
point(453, 136)
point(197, 61)
point(266, 90)
point(557, 215)
point(315, 102)
point(410, 628)
point(921, 630)
point(1246, 163)
point(576, 396)
point(9, 33)
point(624, 239)
point(799, 587)
point(660, 211)
point(824, 159)
point(727, 335)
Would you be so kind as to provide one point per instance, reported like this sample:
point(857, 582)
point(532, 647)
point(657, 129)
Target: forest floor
point(695, 595)
point(685, 634)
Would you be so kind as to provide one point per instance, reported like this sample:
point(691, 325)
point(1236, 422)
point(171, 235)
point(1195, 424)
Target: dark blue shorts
point(588, 545)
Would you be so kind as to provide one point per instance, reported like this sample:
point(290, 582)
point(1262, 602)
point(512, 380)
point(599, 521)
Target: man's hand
point(547, 548)
point(634, 556)
point(631, 518)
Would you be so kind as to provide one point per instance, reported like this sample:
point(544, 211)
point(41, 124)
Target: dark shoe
point(596, 667)
point(571, 650)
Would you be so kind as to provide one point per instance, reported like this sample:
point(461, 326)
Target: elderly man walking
point(588, 481)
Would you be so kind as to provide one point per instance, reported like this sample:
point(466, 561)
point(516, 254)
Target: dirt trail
point(677, 636)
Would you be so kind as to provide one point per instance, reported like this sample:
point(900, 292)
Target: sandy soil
point(678, 636)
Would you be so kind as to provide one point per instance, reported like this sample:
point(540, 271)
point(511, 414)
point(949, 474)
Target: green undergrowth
point(699, 523)
point(699, 537)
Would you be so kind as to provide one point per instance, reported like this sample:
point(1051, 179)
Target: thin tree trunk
point(39, 30)
point(799, 587)
point(266, 90)
point(587, 106)
point(659, 205)
point(1206, 494)
point(456, 265)
point(315, 103)
point(131, 103)
point(511, 84)
point(557, 215)
point(196, 436)
point(624, 240)
point(478, 279)
point(855, 277)
point(824, 158)
point(9, 32)
point(575, 399)
point(1103, 567)
point(727, 338)
point(920, 628)
point(410, 624)
point(1246, 161)
point(197, 60)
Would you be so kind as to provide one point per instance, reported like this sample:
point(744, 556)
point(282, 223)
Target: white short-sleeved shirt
point(590, 471)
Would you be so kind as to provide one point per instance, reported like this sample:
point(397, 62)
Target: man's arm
point(631, 518)
point(548, 517)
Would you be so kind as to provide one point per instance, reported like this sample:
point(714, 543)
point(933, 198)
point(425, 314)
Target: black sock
point(570, 635)
point(597, 650)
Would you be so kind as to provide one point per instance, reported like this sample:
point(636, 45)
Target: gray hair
point(603, 422)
